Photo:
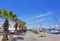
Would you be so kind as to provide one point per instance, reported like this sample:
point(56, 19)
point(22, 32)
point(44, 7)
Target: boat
point(54, 32)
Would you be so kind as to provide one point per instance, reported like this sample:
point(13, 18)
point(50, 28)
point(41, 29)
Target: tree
point(14, 19)
point(4, 14)
point(10, 15)
point(16, 24)
point(17, 21)
point(22, 25)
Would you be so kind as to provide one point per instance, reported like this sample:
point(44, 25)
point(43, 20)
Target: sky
point(34, 12)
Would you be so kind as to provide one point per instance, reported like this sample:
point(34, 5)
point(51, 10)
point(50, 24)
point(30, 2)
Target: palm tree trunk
point(15, 30)
point(20, 29)
point(16, 25)
point(6, 31)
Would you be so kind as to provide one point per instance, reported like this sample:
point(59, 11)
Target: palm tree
point(16, 24)
point(1, 13)
point(17, 21)
point(4, 14)
point(14, 19)
point(22, 25)
point(10, 15)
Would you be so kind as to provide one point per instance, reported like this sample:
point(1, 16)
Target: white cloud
point(44, 14)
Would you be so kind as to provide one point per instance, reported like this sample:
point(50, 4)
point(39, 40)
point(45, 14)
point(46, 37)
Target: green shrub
point(35, 31)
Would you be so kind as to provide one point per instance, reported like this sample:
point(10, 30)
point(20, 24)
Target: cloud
point(44, 14)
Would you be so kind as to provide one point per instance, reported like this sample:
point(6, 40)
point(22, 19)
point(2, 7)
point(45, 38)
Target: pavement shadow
point(17, 38)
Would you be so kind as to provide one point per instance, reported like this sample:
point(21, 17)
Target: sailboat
point(56, 31)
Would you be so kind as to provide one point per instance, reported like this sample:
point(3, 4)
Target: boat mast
point(55, 20)
point(40, 26)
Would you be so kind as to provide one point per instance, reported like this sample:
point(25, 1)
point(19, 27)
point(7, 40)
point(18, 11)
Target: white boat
point(54, 32)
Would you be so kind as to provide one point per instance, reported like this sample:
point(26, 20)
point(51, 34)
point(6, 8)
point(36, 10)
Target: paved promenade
point(29, 36)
